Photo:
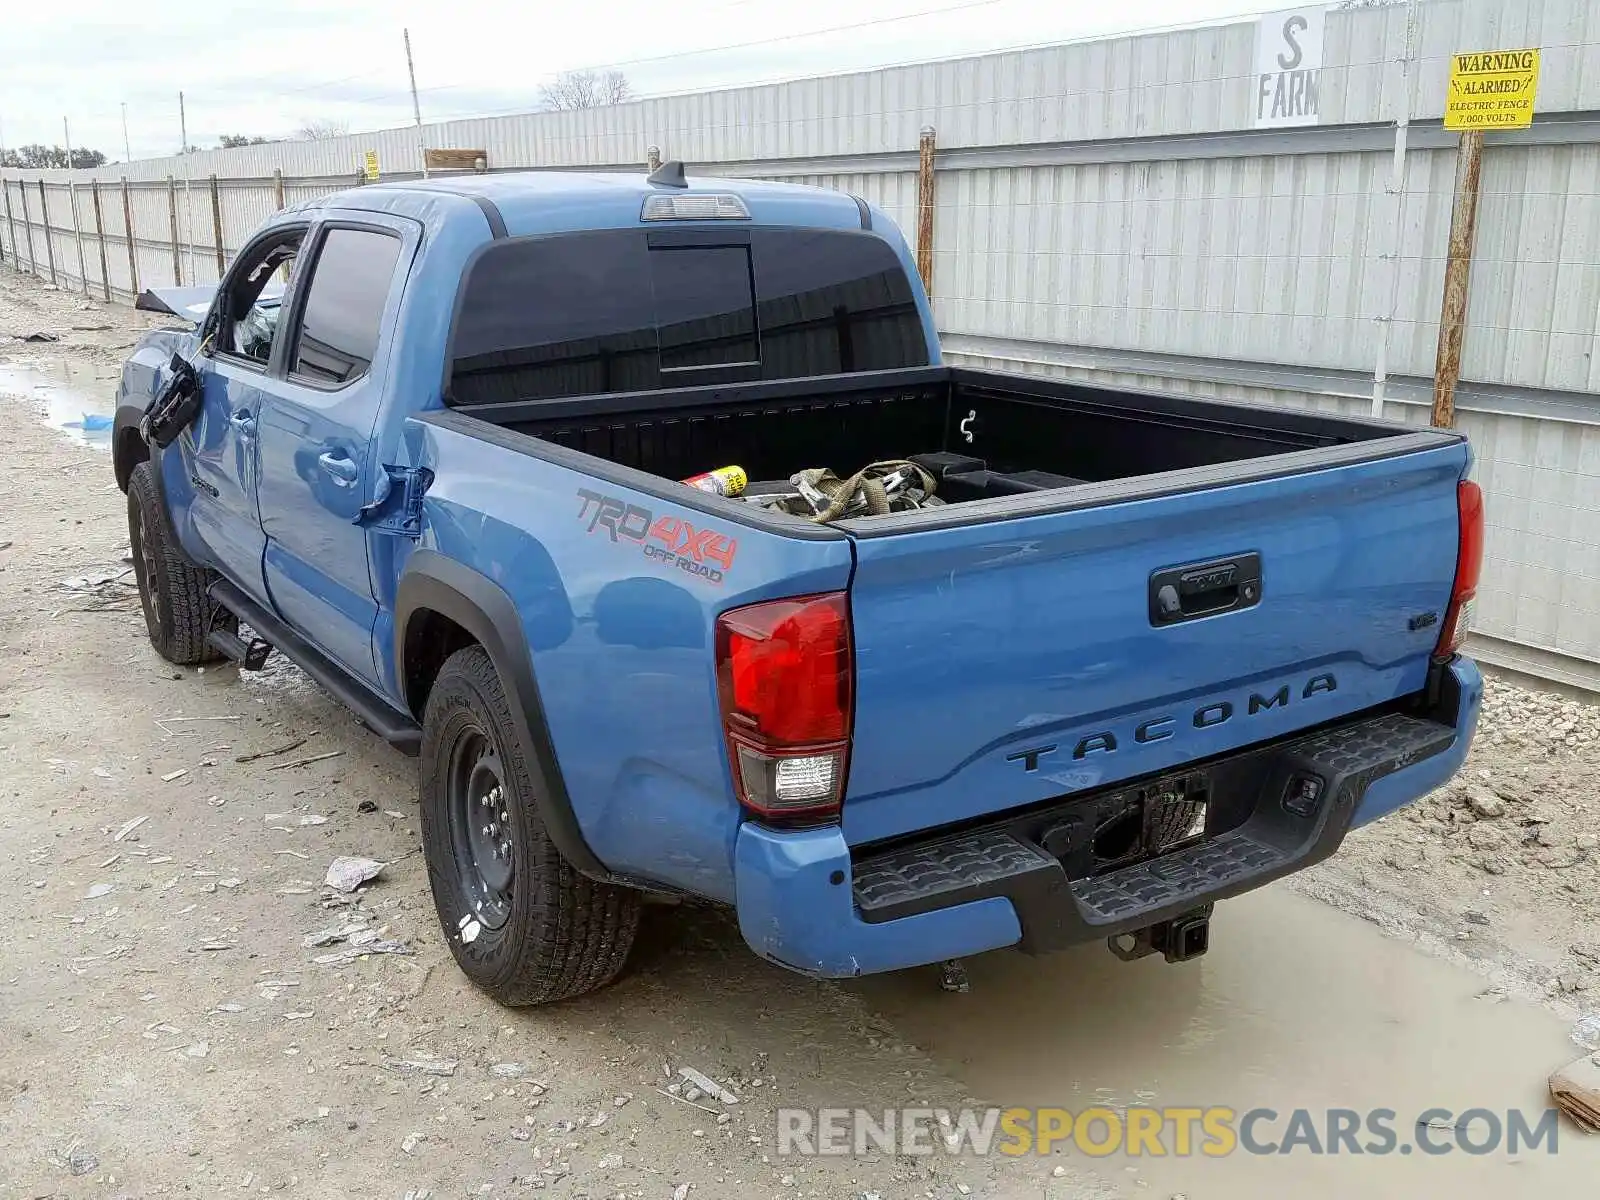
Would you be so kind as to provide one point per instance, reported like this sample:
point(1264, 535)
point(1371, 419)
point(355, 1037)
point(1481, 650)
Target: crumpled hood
point(190, 303)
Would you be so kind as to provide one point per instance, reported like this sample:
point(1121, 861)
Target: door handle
point(1205, 589)
point(340, 465)
point(244, 421)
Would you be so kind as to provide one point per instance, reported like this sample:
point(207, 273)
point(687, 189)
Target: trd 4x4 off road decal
point(671, 541)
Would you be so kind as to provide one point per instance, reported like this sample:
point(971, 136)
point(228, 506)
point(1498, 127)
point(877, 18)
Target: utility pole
point(416, 107)
point(127, 151)
point(1457, 273)
point(188, 195)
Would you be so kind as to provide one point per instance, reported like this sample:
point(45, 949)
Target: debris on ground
point(422, 1066)
point(1587, 1031)
point(76, 1159)
point(337, 934)
point(291, 819)
point(1575, 1088)
point(97, 890)
point(305, 762)
point(272, 753)
point(706, 1085)
point(40, 335)
point(346, 873)
point(128, 828)
point(953, 976)
point(361, 947)
point(103, 590)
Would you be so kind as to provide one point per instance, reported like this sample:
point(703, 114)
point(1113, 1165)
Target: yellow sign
point(372, 165)
point(1492, 89)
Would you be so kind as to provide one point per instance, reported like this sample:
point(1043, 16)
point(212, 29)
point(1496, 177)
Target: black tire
point(177, 611)
point(522, 922)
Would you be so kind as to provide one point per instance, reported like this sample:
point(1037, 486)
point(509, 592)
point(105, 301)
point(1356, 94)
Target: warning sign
point(1492, 89)
point(372, 165)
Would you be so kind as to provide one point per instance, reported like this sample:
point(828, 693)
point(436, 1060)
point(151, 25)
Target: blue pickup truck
point(1133, 653)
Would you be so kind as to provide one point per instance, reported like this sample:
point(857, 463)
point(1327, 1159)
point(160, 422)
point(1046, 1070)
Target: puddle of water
point(76, 398)
point(1296, 1006)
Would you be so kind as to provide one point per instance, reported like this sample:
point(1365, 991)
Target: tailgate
point(1005, 663)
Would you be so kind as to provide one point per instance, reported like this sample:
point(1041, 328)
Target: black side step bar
point(250, 657)
point(397, 728)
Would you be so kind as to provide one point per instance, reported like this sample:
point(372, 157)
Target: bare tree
point(232, 141)
point(321, 130)
point(585, 89)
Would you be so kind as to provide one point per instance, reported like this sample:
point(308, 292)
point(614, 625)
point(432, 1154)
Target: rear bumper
point(806, 903)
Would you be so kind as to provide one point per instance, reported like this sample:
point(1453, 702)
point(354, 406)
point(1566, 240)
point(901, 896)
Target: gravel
point(1513, 839)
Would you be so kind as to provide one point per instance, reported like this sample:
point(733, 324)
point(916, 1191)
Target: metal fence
point(1108, 210)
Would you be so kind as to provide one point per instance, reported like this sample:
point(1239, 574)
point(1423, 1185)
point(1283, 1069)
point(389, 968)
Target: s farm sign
point(1288, 70)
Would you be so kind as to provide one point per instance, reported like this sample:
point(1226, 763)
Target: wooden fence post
point(16, 246)
point(133, 257)
point(49, 242)
point(77, 234)
point(100, 238)
point(925, 209)
point(216, 227)
point(277, 187)
point(27, 228)
point(1457, 273)
point(172, 211)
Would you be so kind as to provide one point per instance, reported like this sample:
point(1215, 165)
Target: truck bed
point(1025, 623)
point(1040, 441)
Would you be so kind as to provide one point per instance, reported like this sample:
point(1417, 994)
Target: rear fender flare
point(435, 582)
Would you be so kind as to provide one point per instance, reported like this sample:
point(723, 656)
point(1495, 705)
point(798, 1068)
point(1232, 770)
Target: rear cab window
point(630, 310)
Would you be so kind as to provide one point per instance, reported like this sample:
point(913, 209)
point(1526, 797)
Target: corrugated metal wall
point(1104, 210)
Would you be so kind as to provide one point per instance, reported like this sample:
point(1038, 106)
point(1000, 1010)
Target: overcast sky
point(264, 67)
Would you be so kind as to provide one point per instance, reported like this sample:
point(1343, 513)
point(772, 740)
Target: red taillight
point(1469, 563)
point(786, 683)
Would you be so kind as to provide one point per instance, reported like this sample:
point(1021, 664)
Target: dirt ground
point(167, 1029)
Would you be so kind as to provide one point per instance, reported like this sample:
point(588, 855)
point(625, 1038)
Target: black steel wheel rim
point(480, 830)
point(146, 572)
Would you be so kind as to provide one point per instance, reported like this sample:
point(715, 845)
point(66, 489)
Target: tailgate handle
point(1205, 589)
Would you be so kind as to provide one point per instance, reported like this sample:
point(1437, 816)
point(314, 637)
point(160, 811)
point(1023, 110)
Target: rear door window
point(832, 303)
point(343, 312)
point(559, 316)
point(603, 312)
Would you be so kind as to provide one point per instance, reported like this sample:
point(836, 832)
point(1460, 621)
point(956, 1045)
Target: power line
point(919, 15)
point(399, 96)
point(1015, 47)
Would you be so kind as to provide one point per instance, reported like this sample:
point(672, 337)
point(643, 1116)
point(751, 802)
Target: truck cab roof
point(534, 202)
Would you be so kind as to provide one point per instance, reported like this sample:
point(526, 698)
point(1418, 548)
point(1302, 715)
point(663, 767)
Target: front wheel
point(522, 922)
point(177, 611)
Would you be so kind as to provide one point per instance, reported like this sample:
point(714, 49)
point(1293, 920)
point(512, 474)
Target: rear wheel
point(172, 590)
point(522, 922)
